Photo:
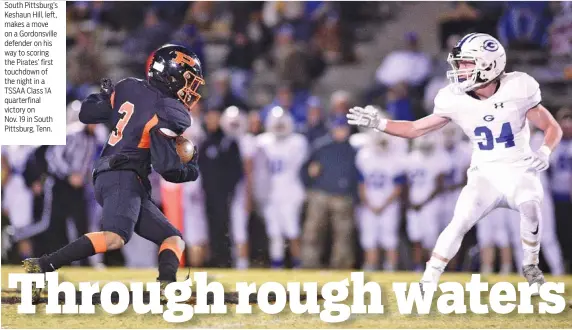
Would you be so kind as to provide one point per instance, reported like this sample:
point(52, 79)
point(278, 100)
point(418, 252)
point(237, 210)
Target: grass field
point(390, 319)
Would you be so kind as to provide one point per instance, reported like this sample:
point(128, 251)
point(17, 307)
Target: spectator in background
point(290, 60)
point(561, 32)
point(154, 33)
point(239, 60)
point(84, 63)
point(254, 123)
point(189, 36)
point(409, 65)
point(331, 178)
point(315, 122)
point(287, 100)
point(221, 169)
point(222, 95)
point(524, 25)
point(399, 105)
point(340, 104)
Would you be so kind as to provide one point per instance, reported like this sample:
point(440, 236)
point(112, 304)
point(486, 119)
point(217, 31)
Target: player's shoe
point(32, 266)
point(533, 275)
point(162, 298)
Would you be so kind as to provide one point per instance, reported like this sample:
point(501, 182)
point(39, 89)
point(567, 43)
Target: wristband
point(382, 124)
point(545, 150)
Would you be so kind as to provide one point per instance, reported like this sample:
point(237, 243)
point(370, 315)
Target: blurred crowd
point(284, 181)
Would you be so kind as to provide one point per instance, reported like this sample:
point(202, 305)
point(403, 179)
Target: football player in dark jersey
point(147, 115)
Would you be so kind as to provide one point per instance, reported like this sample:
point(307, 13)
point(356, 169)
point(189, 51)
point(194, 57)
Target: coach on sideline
point(332, 178)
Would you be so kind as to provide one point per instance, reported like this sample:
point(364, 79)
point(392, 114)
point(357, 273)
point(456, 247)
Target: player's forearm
point(95, 109)
point(402, 128)
point(552, 136)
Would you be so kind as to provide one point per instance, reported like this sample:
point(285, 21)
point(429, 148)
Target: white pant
point(379, 230)
point(550, 247)
point(283, 219)
point(195, 219)
point(422, 225)
point(488, 187)
point(238, 215)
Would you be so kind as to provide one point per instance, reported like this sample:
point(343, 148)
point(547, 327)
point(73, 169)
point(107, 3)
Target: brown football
point(185, 149)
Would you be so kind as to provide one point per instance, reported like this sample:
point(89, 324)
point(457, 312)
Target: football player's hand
point(541, 159)
point(75, 180)
point(367, 117)
point(107, 87)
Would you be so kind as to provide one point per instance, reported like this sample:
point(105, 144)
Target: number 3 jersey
point(145, 123)
point(497, 127)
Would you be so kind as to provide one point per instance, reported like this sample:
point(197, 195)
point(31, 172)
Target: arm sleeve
point(96, 109)
point(443, 107)
point(166, 161)
point(533, 96)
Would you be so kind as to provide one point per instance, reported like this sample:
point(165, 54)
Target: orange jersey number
point(116, 135)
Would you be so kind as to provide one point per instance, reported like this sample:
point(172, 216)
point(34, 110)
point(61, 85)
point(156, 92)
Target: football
point(185, 149)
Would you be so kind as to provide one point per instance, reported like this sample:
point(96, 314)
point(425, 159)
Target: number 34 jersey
point(497, 126)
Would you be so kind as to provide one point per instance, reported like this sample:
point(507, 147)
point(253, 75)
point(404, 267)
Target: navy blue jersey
point(145, 123)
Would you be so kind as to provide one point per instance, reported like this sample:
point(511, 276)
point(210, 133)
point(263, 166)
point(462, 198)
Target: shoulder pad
point(444, 101)
point(173, 115)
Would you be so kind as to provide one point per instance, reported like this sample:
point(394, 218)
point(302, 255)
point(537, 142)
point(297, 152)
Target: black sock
point(79, 249)
point(168, 265)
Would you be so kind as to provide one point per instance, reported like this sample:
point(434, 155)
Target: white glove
point(367, 117)
point(541, 159)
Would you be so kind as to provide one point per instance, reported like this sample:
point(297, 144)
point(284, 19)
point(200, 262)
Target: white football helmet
point(488, 55)
point(279, 122)
point(234, 122)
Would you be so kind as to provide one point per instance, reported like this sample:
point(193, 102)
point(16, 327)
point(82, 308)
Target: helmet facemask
point(189, 93)
point(469, 79)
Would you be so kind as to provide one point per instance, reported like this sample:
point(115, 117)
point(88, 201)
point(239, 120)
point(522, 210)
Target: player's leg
point(476, 200)
point(526, 198)
point(415, 234)
point(368, 232)
point(430, 214)
point(291, 229)
point(342, 227)
point(313, 232)
point(272, 217)
point(121, 202)
point(195, 233)
point(501, 236)
point(239, 228)
point(154, 226)
point(485, 241)
point(389, 236)
point(550, 246)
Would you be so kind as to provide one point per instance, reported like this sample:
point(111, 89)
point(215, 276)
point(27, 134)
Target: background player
point(382, 180)
point(496, 230)
point(235, 124)
point(494, 109)
point(147, 116)
point(285, 153)
point(426, 173)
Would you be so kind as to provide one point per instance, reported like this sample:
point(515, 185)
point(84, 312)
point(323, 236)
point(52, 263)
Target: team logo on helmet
point(490, 45)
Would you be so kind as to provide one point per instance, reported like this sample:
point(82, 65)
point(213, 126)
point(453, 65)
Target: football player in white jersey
point(382, 179)
point(285, 152)
point(234, 123)
point(494, 109)
point(195, 223)
point(426, 171)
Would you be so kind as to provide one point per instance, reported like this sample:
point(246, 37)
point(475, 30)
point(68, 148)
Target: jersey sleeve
point(174, 119)
point(532, 94)
point(359, 164)
point(443, 104)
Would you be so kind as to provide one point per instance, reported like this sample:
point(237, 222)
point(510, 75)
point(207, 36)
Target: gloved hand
point(107, 86)
point(368, 117)
point(541, 159)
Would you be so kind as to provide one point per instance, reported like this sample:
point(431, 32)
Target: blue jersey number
point(376, 180)
point(505, 137)
point(276, 166)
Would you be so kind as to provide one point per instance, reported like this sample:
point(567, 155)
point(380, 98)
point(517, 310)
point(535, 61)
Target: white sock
point(242, 263)
point(486, 269)
point(276, 248)
point(506, 269)
point(433, 270)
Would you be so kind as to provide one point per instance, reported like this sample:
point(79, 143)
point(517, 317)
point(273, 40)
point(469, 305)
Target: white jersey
point(284, 158)
point(422, 173)
point(380, 173)
point(247, 146)
point(497, 126)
